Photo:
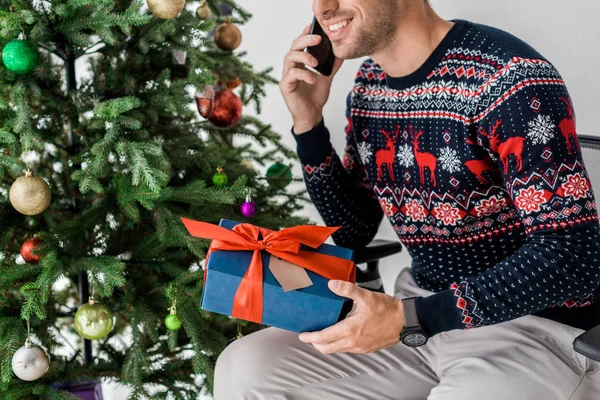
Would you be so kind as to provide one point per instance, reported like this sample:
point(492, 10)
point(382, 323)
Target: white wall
point(564, 31)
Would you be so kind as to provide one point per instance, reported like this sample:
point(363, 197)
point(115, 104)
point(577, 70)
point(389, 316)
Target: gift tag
point(290, 276)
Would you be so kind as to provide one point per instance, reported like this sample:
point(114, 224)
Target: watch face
point(415, 339)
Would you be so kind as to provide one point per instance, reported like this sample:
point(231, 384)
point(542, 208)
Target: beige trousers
point(528, 358)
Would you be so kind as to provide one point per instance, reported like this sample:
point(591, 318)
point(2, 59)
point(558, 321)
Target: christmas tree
point(117, 118)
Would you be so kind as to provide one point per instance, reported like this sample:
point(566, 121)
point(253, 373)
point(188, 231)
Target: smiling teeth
point(338, 26)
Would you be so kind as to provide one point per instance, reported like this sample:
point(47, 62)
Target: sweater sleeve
point(339, 189)
point(527, 124)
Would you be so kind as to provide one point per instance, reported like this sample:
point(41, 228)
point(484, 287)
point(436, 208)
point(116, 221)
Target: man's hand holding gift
point(375, 323)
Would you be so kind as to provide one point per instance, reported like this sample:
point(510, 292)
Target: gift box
point(261, 275)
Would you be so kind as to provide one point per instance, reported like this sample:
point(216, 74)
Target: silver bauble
point(30, 362)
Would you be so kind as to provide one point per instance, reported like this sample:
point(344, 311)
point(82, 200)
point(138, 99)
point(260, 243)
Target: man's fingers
point(297, 59)
point(306, 29)
point(348, 290)
point(334, 333)
point(294, 75)
point(305, 41)
point(343, 345)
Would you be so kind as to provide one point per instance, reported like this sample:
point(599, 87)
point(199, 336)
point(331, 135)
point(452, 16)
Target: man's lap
point(527, 358)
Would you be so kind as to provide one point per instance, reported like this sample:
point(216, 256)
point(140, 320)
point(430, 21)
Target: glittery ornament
point(203, 12)
point(227, 109)
point(94, 320)
point(279, 175)
point(20, 56)
point(30, 362)
point(205, 101)
point(220, 178)
point(166, 9)
point(30, 195)
point(228, 37)
point(173, 322)
point(249, 208)
point(27, 250)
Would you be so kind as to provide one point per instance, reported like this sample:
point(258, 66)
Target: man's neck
point(420, 31)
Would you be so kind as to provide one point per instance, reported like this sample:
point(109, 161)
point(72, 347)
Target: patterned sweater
point(475, 161)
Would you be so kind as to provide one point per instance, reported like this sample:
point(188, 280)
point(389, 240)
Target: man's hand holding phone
point(305, 92)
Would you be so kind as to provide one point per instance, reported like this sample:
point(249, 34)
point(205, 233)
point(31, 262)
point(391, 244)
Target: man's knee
point(244, 367)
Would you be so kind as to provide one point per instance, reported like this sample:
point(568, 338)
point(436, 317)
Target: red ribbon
point(285, 244)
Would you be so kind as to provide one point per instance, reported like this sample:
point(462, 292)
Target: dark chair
point(588, 343)
point(370, 255)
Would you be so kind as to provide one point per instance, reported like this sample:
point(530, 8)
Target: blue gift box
point(304, 310)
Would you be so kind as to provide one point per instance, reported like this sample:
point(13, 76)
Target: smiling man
point(464, 137)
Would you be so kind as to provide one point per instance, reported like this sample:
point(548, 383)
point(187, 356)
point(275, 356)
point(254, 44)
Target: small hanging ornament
point(30, 195)
point(249, 208)
point(178, 57)
point(94, 320)
point(228, 37)
point(20, 56)
point(205, 101)
point(203, 12)
point(173, 320)
point(31, 361)
point(279, 175)
point(166, 9)
point(27, 250)
point(220, 178)
point(227, 109)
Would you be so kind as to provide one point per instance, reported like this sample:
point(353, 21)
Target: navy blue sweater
point(475, 161)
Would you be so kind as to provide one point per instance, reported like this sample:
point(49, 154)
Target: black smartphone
point(323, 52)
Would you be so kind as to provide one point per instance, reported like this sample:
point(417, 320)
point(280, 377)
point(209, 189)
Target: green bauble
point(93, 320)
point(220, 178)
point(173, 322)
point(279, 175)
point(20, 56)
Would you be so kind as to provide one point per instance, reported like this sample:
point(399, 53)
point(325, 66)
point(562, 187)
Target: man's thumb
point(344, 289)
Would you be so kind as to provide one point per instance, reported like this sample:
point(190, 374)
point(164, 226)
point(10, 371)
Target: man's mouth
point(336, 31)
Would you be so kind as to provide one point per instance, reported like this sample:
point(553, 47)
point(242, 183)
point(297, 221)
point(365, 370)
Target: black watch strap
point(410, 313)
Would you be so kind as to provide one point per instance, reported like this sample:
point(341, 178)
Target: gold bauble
point(30, 195)
point(166, 9)
point(203, 12)
point(227, 36)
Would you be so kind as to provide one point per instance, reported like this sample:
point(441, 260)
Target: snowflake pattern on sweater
point(475, 161)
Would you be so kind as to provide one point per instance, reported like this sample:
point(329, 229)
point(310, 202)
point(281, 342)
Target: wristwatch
point(412, 334)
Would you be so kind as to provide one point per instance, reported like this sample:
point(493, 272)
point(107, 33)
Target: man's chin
point(348, 54)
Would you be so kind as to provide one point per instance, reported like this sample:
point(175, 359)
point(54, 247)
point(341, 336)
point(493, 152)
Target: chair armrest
point(588, 343)
point(376, 250)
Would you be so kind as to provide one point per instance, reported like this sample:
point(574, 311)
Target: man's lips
point(339, 30)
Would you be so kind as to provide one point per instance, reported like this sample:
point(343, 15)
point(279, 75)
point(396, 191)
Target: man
point(464, 137)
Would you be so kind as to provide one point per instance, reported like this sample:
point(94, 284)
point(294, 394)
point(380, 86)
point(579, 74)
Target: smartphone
point(323, 52)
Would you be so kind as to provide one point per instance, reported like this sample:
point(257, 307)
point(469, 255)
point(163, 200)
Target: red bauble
point(26, 250)
point(227, 109)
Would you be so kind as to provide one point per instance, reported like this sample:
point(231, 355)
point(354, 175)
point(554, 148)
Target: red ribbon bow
point(285, 244)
